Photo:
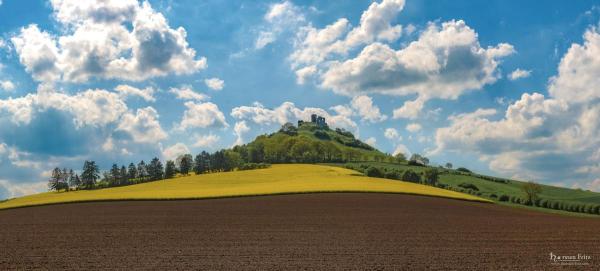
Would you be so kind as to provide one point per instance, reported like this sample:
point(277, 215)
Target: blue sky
point(507, 88)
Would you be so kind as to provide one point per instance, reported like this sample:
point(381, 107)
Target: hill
point(308, 143)
point(279, 179)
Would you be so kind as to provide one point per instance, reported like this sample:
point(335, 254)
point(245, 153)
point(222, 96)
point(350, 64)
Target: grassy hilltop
point(279, 179)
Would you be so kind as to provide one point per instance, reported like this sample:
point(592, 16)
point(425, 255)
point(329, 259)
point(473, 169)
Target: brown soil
point(310, 231)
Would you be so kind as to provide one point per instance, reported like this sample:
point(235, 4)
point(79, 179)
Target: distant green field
point(514, 188)
point(279, 179)
point(452, 179)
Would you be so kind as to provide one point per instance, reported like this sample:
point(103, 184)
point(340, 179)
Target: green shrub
point(431, 177)
point(411, 176)
point(469, 186)
point(494, 196)
point(504, 198)
point(462, 169)
point(374, 172)
point(392, 174)
point(249, 166)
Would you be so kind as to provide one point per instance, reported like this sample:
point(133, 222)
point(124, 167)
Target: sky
point(506, 88)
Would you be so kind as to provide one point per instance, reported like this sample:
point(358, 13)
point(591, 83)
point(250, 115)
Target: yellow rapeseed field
point(279, 179)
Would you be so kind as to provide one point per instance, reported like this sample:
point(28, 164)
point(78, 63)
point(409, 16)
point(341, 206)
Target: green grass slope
point(492, 190)
point(279, 179)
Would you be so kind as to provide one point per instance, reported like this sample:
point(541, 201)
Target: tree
point(132, 171)
point(123, 180)
point(74, 181)
point(170, 169)
point(531, 190)
point(449, 165)
point(184, 163)
point(419, 159)
point(155, 169)
point(232, 160)
point(289, 129)
point(400, 158)
point(55, 180)
point(374, 172)
point(411, 176)
point(115, 175)
point(90, 174)
point(199, 164)
point(142, 170)
point(431, 177)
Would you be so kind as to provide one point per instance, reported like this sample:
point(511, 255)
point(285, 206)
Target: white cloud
point(551, 138)
point(443, 63)
point(202, 115)
point(7, 85)
point(107, 40)
point(413, 127)
point(264, 38)
point(391, 134)
point(366, 109)
point(38, 52)
point(578, 78)
point(518, 74)
point(204, 141)
point(239, 130)
point(93, 107)
point(288, 112)
point(314, 46)
point(343, 110)
point(214, 83)
point(108, 145)
point(401, 149)
point(410, 109)
point(302, 75)
point(147, 94)
point(143, 126)
point(372, 141)
point(187, 93)
point(280, 17)
point(174, 151)
point(19, 190)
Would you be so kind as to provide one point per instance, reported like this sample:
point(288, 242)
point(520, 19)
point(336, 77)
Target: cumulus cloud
point(174, 151)
point(143, 126)
point(518, 74)
point(445, 61)
point(372, 141)
point(288, 112)
point(280, 17)
point(400, 148)
point(7, 85)
point(314, 46)
point(366, 109)
point(392, 134)
point(206, 141)
point(239, 130)
point(542, 138)
point(214, 83)
point(202, 115)
point(187, 93)
point(413, 127)
point(126, 91)
point(107, 40)
point(95, 107)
